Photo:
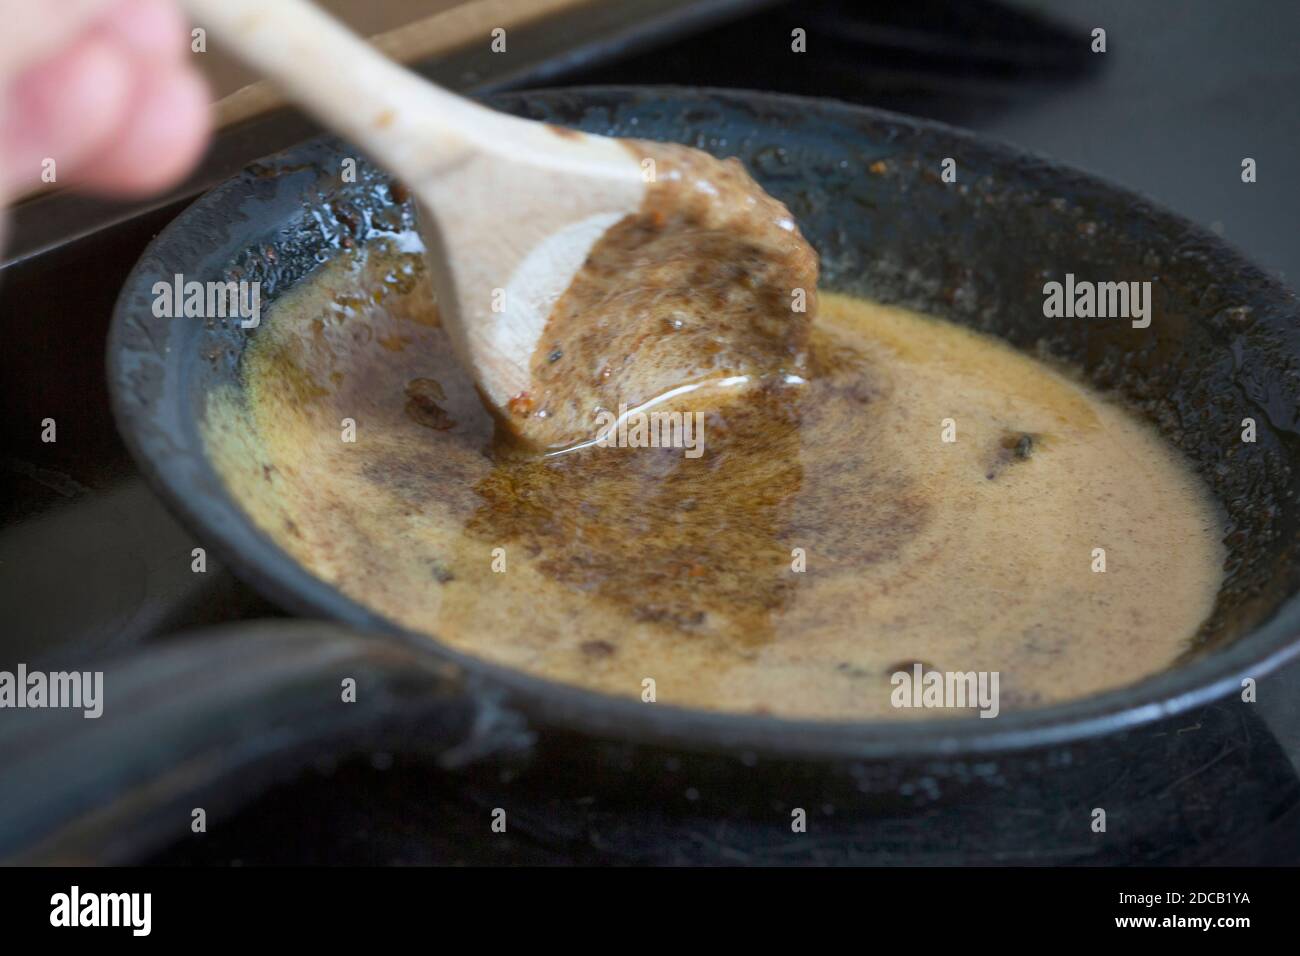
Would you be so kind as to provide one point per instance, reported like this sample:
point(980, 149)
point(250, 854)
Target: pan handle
point(210, 721)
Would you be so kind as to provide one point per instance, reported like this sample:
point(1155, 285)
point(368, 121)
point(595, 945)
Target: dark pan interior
point(1224, 343)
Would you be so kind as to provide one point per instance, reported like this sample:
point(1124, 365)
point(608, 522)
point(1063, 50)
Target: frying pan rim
point(256, 559)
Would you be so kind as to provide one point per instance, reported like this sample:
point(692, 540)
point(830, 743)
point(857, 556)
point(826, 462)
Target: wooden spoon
point(511, 210)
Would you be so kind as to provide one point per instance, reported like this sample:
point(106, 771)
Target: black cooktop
point(91, 563)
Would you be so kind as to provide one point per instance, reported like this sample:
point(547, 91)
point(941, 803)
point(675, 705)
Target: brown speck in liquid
point(521, 404)
point(907, 667)
point(422, 398)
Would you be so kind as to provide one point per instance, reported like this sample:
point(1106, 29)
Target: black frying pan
point(1224, 345)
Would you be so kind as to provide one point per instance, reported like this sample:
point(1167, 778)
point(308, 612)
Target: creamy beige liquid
point(623, 564)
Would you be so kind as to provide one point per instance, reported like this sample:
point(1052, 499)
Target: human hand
point(105, 89)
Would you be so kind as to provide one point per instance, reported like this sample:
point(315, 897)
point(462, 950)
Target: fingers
point(160, 139)
point(32, 35)
point(152, 30)
point(64, 109)
point(121, 110)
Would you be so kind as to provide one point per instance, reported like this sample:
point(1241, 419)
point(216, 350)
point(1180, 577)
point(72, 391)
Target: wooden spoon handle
point(412, 126)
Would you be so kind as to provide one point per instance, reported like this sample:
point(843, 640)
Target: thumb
point(43, 33)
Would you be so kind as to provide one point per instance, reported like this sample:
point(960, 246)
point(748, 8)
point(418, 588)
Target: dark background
point(1186, 89)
